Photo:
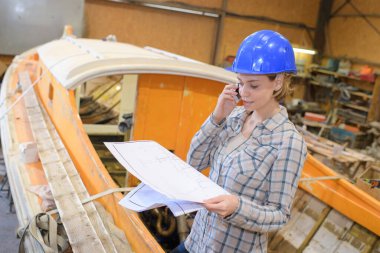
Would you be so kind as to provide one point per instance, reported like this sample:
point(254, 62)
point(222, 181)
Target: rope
point(22, 95)
point(47, 232)
point(50, 234)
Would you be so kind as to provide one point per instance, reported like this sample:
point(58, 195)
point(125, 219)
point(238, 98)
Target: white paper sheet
point(143, 198)
point(163, 171)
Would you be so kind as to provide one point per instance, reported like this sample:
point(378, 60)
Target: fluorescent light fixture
point(209, 14)
point(304, 51)
point(177, 9)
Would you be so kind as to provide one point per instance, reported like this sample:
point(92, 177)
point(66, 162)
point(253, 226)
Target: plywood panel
point(366, 7)
point(7, 59)
point(170, 110)
point(290, 10)
point(353, 37)
point(184, 34)
point(236, 29)
point(199, 100)
point(158, 109)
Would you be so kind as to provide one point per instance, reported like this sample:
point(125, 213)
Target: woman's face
point(256, 91)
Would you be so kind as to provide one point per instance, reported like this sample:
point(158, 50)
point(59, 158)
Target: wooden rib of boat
point(169, 97)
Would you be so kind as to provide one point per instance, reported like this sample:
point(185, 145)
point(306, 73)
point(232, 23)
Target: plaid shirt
point(263, 172)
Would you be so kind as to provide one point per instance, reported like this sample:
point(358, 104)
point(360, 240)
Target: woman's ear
point(279, 80)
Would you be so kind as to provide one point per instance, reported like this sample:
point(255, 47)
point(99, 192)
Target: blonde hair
point(285, 88)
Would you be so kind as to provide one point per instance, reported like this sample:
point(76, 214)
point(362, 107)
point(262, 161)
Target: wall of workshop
point(6, 59)
point(295, 11)
point(195, 36)
point(353, 37)
point(192, 35)
point(184, 34)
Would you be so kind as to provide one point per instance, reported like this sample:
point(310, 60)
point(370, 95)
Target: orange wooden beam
point(341, 195)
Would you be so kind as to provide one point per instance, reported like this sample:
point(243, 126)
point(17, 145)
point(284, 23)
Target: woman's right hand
point(226, 103)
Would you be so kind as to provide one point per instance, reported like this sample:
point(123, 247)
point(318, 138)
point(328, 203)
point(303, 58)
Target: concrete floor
point(8, 220)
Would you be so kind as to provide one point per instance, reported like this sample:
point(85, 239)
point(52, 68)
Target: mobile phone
point(237, 97)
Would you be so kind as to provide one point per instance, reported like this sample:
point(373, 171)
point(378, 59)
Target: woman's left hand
point(223, 205)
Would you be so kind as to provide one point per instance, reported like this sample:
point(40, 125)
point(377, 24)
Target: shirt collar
point(271, 123)
point(238, 118)
point(276, 120)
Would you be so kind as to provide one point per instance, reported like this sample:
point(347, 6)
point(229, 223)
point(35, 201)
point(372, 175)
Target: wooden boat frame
point(59, 67)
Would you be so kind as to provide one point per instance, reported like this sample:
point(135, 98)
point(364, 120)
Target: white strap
point(311, 179)
point(49, 239)
point(99, 195)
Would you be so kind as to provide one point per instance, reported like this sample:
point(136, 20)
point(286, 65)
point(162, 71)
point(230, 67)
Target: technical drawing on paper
point(164, 171)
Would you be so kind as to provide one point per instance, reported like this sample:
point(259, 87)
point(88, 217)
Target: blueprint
point(164, 172)
point(143, 198)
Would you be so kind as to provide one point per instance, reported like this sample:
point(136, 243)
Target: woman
point(254, 152)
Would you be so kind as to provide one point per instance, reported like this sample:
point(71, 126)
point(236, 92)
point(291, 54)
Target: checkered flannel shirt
point(263, 172)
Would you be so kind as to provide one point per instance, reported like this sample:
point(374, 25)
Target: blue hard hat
point(264, 52)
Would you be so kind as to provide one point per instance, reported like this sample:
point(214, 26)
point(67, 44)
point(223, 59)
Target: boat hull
point(169, 108)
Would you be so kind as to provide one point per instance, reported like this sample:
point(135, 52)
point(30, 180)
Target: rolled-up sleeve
point(283, 182)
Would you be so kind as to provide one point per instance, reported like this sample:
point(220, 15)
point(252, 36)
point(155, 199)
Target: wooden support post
point(322, 20)
point(374, 110)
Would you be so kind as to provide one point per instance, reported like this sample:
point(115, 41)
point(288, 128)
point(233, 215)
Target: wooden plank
point(328, 237)
point(25, 203)
point(316, 226)
point(62, 111)
point(358, 239)
point(365, 96)
point(80, 231)
point(102, 226)
point(376, 247)
point(333, 150)
point(118, 236)
point(307, 215)
point(356, 107)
